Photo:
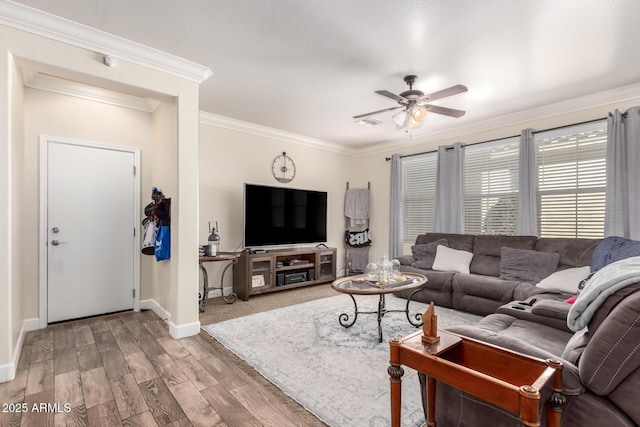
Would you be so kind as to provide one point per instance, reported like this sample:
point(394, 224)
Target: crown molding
point(88, 92)
point(63, 30)
point(524, 118)
point(600, 99)
point(211, 119)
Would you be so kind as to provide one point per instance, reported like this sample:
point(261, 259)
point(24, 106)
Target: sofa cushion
point(573, 252)
point(527, 266)
point(518, 335)
point(481, 294)
point(486, 252)
point(448, 259)
point(566, 280)
point(425, 254)
point(462, 242)
point(613, 352)
point(437, 288)
point(405, 259)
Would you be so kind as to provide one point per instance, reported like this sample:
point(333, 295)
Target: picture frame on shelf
point(257, 281)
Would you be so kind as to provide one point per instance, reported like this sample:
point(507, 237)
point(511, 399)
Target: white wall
point(42, 54)
point(18, 264)
point(48, 113)
point(164, 178)
point(228, 159)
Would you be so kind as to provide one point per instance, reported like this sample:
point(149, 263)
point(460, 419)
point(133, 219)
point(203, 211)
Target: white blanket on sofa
point(603, 283)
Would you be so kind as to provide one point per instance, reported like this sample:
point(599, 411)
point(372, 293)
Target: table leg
point(344, 317)
point(418, 316)
point(232, 297)
point(529, 406)
point(428, 394)
point(431, 403)
point(381, 312)
point(557, 399)
point(205, 289)
point(395, 372)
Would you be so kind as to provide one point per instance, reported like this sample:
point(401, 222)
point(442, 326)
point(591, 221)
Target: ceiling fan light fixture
point(400, 118)
point(418, 113)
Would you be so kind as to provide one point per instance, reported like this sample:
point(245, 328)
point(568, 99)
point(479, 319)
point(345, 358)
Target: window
point(419, 194)
point(491, 186)
point(571, 164)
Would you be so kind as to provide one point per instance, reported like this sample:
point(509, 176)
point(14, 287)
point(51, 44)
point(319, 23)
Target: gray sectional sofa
point(482, 291)
point(601, 374)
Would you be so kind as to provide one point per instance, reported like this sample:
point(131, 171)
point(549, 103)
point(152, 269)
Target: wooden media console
point(280, 269)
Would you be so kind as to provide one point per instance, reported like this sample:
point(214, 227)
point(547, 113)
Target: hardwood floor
point(126, 370)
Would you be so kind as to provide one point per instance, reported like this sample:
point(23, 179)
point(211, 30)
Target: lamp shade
point(400, 119)
point(418, 113)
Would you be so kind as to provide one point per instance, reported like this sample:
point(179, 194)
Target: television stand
point(281, 269)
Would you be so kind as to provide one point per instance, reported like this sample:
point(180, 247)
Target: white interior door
point(90, 230)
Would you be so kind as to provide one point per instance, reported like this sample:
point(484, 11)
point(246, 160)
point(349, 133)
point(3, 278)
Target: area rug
point(338, 374)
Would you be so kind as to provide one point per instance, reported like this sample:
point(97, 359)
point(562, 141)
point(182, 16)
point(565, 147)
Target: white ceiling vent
point(369, 121)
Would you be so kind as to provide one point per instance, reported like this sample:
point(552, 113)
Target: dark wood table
point(359, 285)
point(232, 258)
point(499, 376)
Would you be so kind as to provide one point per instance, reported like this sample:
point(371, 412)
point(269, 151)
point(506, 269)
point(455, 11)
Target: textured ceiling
point(308, 66)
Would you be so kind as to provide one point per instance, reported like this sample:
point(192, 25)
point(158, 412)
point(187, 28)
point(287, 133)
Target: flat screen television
point(283, 216)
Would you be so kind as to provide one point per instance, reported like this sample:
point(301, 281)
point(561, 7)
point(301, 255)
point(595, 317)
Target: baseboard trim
point(183, 331)
point(151, 304)
point(8, 370)
point(214, 293)
point(176, 331)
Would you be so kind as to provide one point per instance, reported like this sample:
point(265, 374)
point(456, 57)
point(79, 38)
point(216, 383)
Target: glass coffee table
point(359, 285)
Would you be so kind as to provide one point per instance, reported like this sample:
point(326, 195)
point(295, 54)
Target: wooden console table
point(504, 378)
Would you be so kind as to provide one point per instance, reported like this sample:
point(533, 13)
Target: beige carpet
point(218, 310)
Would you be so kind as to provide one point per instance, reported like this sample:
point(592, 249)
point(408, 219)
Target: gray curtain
point(396, 231)
point(449, 209)
point(622, 207)
point(527, 210)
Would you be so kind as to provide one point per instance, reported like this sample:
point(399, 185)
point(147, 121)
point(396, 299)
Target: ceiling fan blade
point(444, 110)
point(450, 91)
point(392, 95)
point(377, 112)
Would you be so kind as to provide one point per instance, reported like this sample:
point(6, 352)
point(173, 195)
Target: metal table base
point(382, 310)
point(232, 258)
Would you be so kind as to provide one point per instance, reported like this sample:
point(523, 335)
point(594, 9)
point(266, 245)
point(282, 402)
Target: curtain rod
point(507, 137)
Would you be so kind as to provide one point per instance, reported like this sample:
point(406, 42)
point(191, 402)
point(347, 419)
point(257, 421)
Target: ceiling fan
point(415, 104)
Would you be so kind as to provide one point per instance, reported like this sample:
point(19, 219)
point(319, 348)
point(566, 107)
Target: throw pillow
point(525, 265)
point(425, 254)
point(565, 280)
point(448, 259)
point(612, 249)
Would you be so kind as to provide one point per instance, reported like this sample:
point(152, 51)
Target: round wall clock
point(283, 168)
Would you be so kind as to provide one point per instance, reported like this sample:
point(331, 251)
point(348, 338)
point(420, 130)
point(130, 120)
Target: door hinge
point(134, 293)
point(134, 232)
point(134, 171)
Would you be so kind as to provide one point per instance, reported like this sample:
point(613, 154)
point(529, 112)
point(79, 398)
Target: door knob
point(57, 242)
point(55, 230)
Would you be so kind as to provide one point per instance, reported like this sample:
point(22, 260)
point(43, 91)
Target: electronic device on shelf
point(290, 262)
point(299, 277)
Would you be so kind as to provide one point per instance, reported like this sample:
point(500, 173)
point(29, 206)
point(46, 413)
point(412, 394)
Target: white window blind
point(419, 194)
point(491, 186)
point(571, 165)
